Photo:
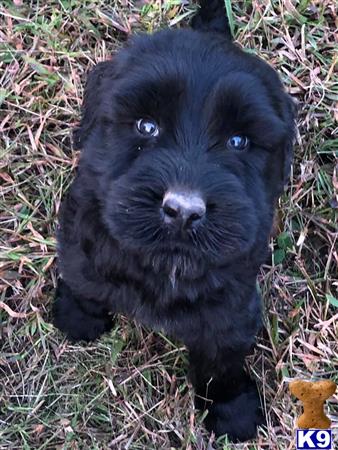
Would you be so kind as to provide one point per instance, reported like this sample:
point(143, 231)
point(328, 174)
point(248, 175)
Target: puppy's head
point(188, 141)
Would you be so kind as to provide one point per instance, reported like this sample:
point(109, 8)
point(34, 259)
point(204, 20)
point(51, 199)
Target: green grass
point(129, 389)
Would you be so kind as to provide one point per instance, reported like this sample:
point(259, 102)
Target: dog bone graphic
point(313, 396)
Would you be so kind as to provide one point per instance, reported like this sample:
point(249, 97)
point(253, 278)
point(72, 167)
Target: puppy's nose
point(187, 208)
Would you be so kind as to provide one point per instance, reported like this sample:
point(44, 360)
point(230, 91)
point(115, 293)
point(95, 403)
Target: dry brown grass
point(128, 390)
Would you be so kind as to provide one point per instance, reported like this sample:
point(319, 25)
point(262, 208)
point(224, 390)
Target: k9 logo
point(314, 439)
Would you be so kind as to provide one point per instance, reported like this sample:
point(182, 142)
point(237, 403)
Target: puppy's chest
point(156, 290)
point(161, 286)
point(175, 304)
point(157, 301)
point(187, 308)
point(161, 289)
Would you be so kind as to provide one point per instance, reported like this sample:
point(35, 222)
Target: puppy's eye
point(147, 127)
point(238, 142)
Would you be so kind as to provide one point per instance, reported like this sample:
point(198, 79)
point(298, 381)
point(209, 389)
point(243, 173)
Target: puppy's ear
point(93, 99)
point(212, 17)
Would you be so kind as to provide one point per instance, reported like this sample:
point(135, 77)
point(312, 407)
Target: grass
point(128, 390)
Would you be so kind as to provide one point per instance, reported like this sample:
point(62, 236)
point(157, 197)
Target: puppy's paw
point(73, 321)
point(238, 418)
point(79, 326)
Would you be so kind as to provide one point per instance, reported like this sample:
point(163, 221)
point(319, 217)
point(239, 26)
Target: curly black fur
point(116, 254)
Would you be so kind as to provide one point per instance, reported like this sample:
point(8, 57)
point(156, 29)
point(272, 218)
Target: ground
point(128, 390)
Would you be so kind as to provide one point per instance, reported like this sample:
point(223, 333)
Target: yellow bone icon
point(313, 395)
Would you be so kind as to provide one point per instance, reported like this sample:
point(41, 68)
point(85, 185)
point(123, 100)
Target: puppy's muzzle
point(185, 209)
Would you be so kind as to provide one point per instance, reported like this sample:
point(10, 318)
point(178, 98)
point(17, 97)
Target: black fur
point(116, 255)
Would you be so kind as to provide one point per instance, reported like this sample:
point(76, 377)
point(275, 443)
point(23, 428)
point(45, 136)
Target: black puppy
point(186, 145)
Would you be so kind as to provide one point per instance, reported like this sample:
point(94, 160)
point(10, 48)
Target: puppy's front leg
point(223, 387)
point(79, 318)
